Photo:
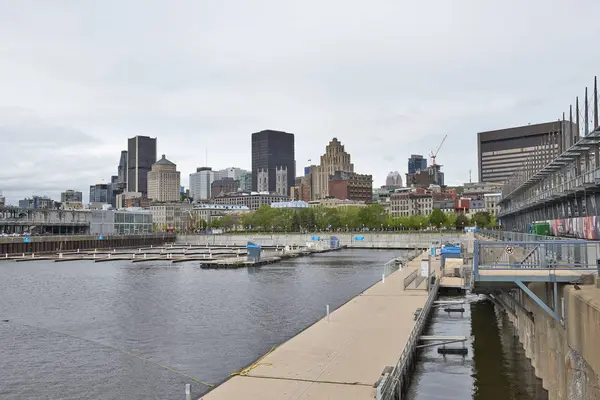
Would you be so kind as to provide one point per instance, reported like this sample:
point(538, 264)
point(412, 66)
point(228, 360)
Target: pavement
point(340, 357)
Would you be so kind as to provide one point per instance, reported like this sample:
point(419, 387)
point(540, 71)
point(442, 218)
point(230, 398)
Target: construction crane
point(434, 155)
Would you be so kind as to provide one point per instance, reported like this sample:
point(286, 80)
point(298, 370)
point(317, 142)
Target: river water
point(119, 330)
point(494, 369)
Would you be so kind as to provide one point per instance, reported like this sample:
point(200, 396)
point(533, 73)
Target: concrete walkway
point(339, 358)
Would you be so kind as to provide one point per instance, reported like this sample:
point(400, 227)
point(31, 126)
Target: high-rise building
point(200, 182)
point(501, 153)
point(246, 181)
point(141, 154)
point(231, 172)
point(71, 196)
point(164, 181)
point(416, 163)
point(273, 162)
point(122, 169)
point(394, 179)
point(335, 159)
point(37, 202)
point(99, 193)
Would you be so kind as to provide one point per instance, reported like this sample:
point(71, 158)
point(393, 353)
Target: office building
point(251, 200)
point(393, 180)
point(99, 193)
point(141, 154)
point(351, 186)
point(424, 178)
point(200, 182)
point(71, 196)
point(273, 162)
point(164, 181)
point(416, 163)
point(501, 153)
point(37, 202)
point(122, 168)
point(335, 159)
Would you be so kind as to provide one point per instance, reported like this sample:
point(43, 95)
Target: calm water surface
point(495, 368)
point(108, 330)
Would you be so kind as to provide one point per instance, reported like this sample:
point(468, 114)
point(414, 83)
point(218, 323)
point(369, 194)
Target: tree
point(461, 221)
point(450, 220)
point(481, 218)
point(437, 217)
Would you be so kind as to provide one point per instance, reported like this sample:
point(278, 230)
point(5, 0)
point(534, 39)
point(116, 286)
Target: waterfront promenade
point(341, 356)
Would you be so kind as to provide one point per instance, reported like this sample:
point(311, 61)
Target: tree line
point(371, 217)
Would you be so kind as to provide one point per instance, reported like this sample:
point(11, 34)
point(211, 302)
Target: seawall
point(47, 244)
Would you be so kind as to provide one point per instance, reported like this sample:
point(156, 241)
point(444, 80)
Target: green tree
point(437, 217)
point(481, 218)
point(461, 221)
point(450, 221)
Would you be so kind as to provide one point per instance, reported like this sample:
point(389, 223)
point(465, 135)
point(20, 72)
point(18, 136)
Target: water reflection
point(495, 368)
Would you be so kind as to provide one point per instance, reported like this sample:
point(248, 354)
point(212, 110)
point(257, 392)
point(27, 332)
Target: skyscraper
point(200, 182)
point(164, 181)
point(122, 169)
point(141, 154)
point(416, 162)
point(335, 159)
point(394, 179)
point(273, 162)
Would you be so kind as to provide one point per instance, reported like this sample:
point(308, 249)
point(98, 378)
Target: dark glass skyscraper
point(273, 161)
point(416, 162)
point(141, 154)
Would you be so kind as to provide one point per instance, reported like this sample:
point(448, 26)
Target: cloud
point(388, 79)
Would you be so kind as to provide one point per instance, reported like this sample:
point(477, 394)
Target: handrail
point(410, 278)
point(398, 374)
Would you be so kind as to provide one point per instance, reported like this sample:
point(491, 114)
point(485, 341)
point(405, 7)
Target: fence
point(541, 254)
point(392, 385)
point(508, 236)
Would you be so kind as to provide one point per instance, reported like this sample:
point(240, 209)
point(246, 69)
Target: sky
point(387, 78)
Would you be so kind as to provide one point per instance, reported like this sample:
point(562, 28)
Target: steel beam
point(537, 300)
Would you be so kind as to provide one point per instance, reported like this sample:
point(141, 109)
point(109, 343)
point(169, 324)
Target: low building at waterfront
point(210, 212)
point(336, 203)
point(411, 203)
point(128, 221)
point(56, 222)
point(290, 204)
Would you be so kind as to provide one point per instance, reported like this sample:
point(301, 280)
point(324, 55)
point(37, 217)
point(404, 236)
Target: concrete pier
point(340, 356)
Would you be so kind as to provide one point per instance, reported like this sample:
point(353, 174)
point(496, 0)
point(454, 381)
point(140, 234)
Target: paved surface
point(339, 358)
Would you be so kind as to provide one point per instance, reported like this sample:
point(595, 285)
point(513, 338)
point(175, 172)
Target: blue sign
point(100, 238)
point(359, 238)
point(26, 239)
point(316, 238)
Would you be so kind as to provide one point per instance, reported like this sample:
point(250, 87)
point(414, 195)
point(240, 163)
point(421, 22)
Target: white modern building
point(128, 221)
point(200, 182)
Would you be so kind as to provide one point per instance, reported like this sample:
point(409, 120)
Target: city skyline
point(73, 91)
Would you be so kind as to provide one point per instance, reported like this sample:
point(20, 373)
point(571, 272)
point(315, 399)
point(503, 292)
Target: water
point(98, 330)
point(495, 368)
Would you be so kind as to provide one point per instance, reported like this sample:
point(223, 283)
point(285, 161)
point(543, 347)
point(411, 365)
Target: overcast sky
point(388, 78)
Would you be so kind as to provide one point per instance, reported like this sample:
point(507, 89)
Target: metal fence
point(507, 236)
point(392, 384)
point(541, 254)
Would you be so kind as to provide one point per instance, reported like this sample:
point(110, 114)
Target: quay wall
point(566, 356)
point(48, 244)
point(355, 240)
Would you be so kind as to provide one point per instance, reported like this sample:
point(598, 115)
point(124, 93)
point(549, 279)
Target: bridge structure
point(502, 264)
point(564, 187)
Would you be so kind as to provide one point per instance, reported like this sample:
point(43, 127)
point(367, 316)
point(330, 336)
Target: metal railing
point(509, 236)
point(588, 177)
point(390, 267)
point(391, 386)
point(410, 278)
point(541, 254)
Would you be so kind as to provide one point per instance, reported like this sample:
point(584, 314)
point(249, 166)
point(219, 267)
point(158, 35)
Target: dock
point(342, 355)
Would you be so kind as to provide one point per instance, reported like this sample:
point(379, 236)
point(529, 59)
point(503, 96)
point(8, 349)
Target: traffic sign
point(509, 250)
point(27, 240)
point(100, 238)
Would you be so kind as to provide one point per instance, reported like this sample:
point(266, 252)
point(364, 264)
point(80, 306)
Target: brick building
point(351, 186)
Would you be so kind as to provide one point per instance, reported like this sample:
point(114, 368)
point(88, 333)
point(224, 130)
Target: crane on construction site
point(434, 155)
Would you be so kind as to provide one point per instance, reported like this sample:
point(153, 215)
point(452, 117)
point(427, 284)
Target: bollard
point(78, 250)
point(133, 255)
point(139, 250)
point(23, 255)
point(95, 250)
point(188, 391)
point(5, 255)
point(327, 312)
point(108, 255)
point(32, 255)
point(94, 256)
point(144, 255)
point(59, 255)
point(383, 278)
point(114, 250)
point(150, 246)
